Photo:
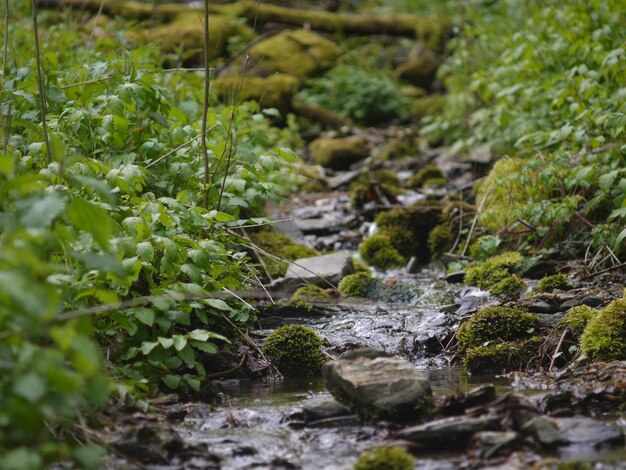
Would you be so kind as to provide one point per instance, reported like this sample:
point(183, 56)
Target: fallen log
point(433, 31)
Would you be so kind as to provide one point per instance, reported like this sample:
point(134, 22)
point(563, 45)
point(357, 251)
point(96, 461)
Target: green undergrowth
point(115, 258)
point(542, 82)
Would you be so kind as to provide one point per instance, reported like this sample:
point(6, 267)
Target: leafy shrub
point(367, 96)
point(295, 350)
point(385, 458)
point(604, 337)
point(495, 324)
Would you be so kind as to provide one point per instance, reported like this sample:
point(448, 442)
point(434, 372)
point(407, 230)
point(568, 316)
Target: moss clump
point(387, 181)
point(499, 356)
point(455, 215)
point(339, 154)
point(604, 337)
point(440, 239)
point(379, 252)
point(301, 53)
point(295, 350)
point(359, 266)
point(419, 71)
point(495, 324)
point(275, 91)
point(306, 295)
point(385, 458)
point(551, 283)
point(494, 270)
point(510, 288)
point(578, 317)
point(427, 173)
point(427, 106)
point(186, 34)
point(398, 148)
point(282, 246)
point(355, 285)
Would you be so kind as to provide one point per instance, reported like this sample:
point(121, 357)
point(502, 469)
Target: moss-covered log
point(429, 29)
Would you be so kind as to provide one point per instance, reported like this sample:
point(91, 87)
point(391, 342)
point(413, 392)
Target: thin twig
point(95, 24)
point(183, 145)
point(471, 231)
point(612, 268)
point(229, 371)
point(558, 348)
point(86, 82)
point(42, 96)
point(205, 105)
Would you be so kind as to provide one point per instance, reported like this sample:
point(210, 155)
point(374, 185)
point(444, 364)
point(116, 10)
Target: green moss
point(419, 71)
point(385, 458)
point(429, 172)
point(550, 283)
point(185, 34)
point(355, 285)
point(501, 356)
point(295, 350)
point(387, 181)
point(275, 91)
point(282, 246)
point(426, 106)
point(494, 270)
point(340, 153)
point(510, 288)
point(440, 240)
point(495, 324)
point(302, 53)
point(359, 266)
point(309, 294)
point(578, 317)
point(400, 147)
point(604, 337)
point(378, 251)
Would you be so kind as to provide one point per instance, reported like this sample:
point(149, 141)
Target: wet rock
point(481, 155)
point(412, 265)
point(593, 301)
point(456, 277)
point(459, 403)
point(450, 308)
point(319, 270)
point(557, 404)
point(343, 179)
point(540, 306)
point(322, 226)
point(585, 431)
point(376, 385)
point(487, 444)
point(340, 153)
point(447, 430)
point(539, 270)
point(318, 408)
point(467, 307)
point(543, 430)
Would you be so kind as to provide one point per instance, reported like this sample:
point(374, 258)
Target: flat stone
point(451, 429)
point(540, 306)
point(456, 277)
point(317, 408)
point(544, 431)
point(318, 269)
point(343, 178)
point(379, 386)
point(581, 430)
point(489, 443)
point(321, 226)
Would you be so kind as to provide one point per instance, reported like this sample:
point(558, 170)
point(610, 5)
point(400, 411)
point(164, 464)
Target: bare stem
point(205, 108)
point(6, 40)
point(42, 96)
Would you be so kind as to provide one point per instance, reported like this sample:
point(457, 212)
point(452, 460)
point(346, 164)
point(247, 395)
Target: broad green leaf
point(179, 342)
point(165, 342)
point(145, 316)
point(218, 304)
point(172, 381)
point(44, 210)
point(30, 387)
point(145, 251)
point(92, 219)
point(147, 347)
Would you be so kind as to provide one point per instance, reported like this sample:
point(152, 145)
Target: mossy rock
point(495, 269)
point(387, 181)
point(604, 337)
point(509, 288)
point(310, 294)
point(359, 266)
point(275, 91)
point(301, 53)
point(355, 285)
point(385, 458)
point(419, 71)
point(378, 251)
point(295, 350)
point(442, 237)
point(399, 147)
point(577, 318)
point(428, 173)
point(185, 34)
point(495, 324)
point(340, 153)
point(425, 106)
point(550, 283)
point(282, 246)
point(501, 356)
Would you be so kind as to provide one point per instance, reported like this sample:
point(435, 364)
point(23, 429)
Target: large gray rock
point(580, 430)
point(319, 269)
point(377, 385)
